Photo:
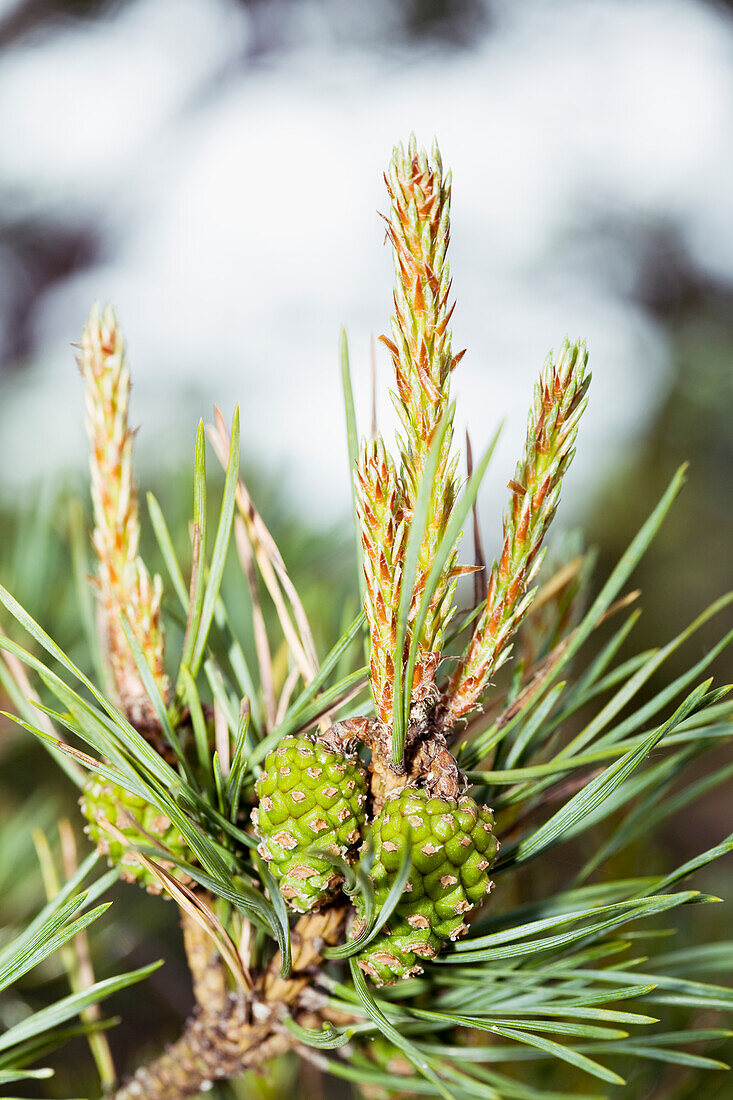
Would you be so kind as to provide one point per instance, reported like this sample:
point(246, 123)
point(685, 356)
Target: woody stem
point(223, 1038)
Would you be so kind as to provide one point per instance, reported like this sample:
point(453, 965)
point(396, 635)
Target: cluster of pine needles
point(513, 684)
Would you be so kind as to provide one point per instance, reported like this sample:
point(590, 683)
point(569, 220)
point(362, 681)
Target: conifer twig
point(383, 535)
point(124, 584)
point(398, 829)
point(418, 228)
point(560, 398)
point(222, 1040)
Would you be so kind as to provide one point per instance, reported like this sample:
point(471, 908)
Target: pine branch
point(224, 1038)
point(559, 402)
point(124, 584)
point(523, 975)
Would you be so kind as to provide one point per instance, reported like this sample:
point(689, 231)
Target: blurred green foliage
point(44, 560)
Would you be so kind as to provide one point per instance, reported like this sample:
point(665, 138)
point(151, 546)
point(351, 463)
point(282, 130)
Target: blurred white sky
point(237, 201)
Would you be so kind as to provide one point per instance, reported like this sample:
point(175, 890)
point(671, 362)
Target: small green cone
point(453, 848)
point(105, 802)
point(309, 797)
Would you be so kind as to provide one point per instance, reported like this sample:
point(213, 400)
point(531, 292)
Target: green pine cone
point(453, 848)
point(104, 801)
point(309, 797)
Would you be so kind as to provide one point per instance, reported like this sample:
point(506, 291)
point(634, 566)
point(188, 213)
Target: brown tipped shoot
point(559, 401)
point(124, 585)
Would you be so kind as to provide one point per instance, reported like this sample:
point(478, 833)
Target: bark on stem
point(427, 760)
point(225, 1037)
point(208, 971)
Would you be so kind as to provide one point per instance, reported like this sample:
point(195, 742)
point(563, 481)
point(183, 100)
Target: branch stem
point(229, 1033)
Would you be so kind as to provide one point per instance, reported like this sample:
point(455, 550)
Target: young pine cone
point(453, 847)
point(105, 803)
point(310, 797)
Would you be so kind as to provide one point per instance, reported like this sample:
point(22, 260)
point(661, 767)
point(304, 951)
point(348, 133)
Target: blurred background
point(214, 169)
